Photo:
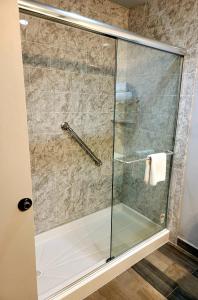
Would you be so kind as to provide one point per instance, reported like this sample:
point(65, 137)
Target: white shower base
point(68, 252)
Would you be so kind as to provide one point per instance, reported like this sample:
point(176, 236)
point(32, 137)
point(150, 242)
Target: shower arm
point(65, 126)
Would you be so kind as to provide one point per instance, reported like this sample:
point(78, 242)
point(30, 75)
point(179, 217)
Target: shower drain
point(38, 273)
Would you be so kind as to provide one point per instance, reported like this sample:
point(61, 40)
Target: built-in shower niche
point(126, 117)
point(126, 106)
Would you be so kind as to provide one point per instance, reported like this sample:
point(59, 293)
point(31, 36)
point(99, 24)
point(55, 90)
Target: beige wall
point(17, 276)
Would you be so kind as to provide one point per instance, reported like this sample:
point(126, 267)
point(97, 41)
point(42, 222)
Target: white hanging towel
point(155, 170)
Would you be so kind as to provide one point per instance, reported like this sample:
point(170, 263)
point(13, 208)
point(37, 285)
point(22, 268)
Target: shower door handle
point(65, 126)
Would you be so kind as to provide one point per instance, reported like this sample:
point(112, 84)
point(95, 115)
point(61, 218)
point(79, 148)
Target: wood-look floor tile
point(176, 272)
point(127, 286)
point(195, 273)
point(155, 277)
point(180, 294)
point(159, 260)
point(179, 257)
point(185, 280)
point(96, 296)
point(165, 274)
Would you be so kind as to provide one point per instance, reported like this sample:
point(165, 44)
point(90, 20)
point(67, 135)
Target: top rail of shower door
point(76, 20)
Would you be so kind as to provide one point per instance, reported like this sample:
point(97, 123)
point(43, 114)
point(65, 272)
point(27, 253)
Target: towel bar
point(141, 159)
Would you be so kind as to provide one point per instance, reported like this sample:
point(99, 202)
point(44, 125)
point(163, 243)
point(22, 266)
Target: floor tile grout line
point(172, 292)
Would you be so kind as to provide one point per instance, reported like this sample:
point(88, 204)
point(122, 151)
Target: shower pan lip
point(107, 272)
point(95, 254)
point(79, 21)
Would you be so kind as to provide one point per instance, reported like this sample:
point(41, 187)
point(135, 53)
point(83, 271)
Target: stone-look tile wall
point(174, 22)
point(150, 118)
point(101, 10)
point(69, 76)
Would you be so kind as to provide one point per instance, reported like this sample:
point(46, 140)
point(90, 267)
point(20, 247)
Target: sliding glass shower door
point(147, 97)
point(69, 77)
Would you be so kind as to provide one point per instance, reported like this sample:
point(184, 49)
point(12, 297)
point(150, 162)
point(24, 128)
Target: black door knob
point(24, 204)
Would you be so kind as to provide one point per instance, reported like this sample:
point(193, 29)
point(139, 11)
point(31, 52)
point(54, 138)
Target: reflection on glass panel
point(147, 97)
point(69, 77)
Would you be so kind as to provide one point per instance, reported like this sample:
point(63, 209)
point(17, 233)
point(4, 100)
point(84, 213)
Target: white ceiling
point(129, 3)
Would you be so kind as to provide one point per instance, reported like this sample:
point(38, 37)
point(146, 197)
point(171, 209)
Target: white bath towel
point(155, 170)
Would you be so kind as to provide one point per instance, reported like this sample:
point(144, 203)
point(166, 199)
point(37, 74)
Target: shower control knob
point(24, 204)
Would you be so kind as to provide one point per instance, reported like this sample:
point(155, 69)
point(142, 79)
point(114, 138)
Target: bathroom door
point(17, 276)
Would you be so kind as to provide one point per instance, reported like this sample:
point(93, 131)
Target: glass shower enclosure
point(147, 100)
point(97, 106)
